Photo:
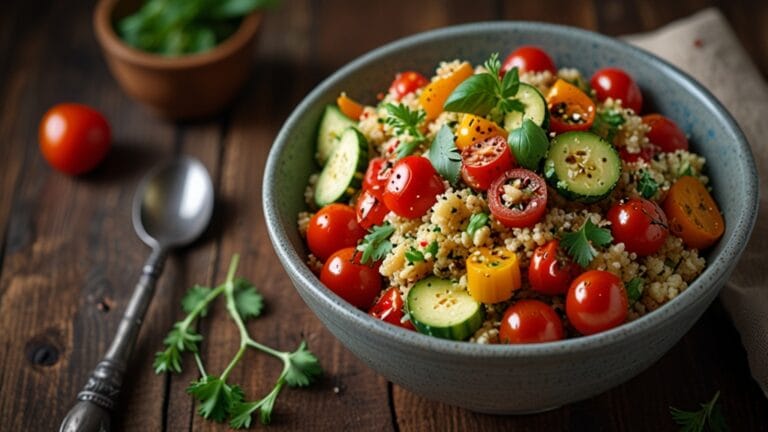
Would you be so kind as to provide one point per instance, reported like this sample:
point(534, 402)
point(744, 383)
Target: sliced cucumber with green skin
point(439, 309)
point(343, 173)
point(535, 109)
point(332, 125)
point(582, 166)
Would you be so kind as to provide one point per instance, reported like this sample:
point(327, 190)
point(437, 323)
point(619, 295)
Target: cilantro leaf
point(580, 244)
point(215, 396)
point(376, 245)
point(635, 289)
point(709, 417)
point(196, 295)
point(302, 367)
point(168, 360)
point(413, 255)
point(476, 221)
point(529, 144)
point(445, 156)
point(248, 301)
point(647, 186)
point(405, 123)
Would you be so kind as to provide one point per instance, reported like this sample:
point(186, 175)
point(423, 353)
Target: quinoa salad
point(506, 202)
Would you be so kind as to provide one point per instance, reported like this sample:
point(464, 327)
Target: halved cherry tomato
point(570, 109)
point(413, 187)
point(550, 271)
point(640, 224)
point(473, 129)
point(332, 228)
point(389, 308)
point(376, 176)
point(436, 93)
point(349, 107)
point(693, 214)
point(74, 138)
point(518, 198)
point(665, 134)
point(486, 160)
point(357, 283)
point(646, 154)
point(596, 302)
point(616, 84)
point(492, 275)
point(407, 82)
point(529, 59)
point(530, 321)
point(370, 210)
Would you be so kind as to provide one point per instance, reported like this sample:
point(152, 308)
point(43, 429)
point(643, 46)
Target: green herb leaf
point(607, 123)
point(685, 170)
point(647, 186)
point(709, 417)
point(241, 412)
point(635, 289)
point(215, 396)
point(432, 249)
point(476, 94)
point(580, 244)
point(376, 245)
point(248, 301)
point(413, 255)
point(445, 156)
point(405, 124)
point(302, 367)
point(529, 144)
point(194, 297)
point(476, 221)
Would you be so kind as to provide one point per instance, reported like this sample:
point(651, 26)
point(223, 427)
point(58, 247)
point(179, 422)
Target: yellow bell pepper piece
point(492, 275)
point(474, 129)
point(436, 93)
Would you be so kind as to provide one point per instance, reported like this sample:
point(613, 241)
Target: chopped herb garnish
point(376, 245)
point(581, 244)
point(709, 417)
point(685, 170)
point(445, 156)
point(607, 124)
point(647, 186)
point(432, 248)
point(476, 221)
point(413, 255)
point(405, 124)
point(635, 289)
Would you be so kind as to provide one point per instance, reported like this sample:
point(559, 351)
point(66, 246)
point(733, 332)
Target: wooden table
point(70, 258)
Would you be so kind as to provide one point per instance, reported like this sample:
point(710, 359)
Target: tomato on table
point(492, 275)
point(596, 302)
point(345, 275)
point(389, 308)
point(665, 134)
point(640, 224)
point(570, 109)
point(530, 321)
point(551, 271)
point(529, 59)
point(332, 228)
point(693, 214)
point(407, 82)
point(518, 198)
point(74, 138)
point(412, 187)
point(376, 176)
point(370, 210)
point(617, 84)
point(484, 161)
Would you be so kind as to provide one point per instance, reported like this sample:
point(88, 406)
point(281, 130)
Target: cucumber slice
point(582, 166)
point(439, 309)
point(535, 109)
point(343, 174)
point(332, 125)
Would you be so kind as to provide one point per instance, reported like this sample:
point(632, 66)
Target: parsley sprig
point(219, 400)
point(376, 245)
point(581, 244)
point(647, 186)
point(709, 417)
point(406, 125)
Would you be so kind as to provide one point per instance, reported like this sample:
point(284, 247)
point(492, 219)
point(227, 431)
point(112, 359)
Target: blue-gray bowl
point(507, 378)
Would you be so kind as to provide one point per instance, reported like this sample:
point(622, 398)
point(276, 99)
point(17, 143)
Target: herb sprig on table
point(709, 417)
point(218, 399)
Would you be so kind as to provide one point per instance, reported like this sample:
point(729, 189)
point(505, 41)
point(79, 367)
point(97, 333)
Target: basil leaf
point(529, 144)
point(445, 156)
point(476, 95)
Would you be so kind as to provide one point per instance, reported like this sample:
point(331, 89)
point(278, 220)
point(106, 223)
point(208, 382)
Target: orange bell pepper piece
point(436, 93)
point(349, 107)
point(493, 275)
point(693, 214)
point(474, 129)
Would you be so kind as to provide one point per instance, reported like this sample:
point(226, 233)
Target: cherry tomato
point(529, 59)
point(616, 84)
point(518, 198)
point(389, 308)
point(357, 283)
point(413, 187)
point(570, 109)
point(550, 271)
point(530, 321)
point(693, 213)
point(370, 210)
point(376, 176)
point(665, 134)
point(74, 138)
point(640, 224)
point(486, 160)
point(407, 82)
point(596, 302)
point(332, 228)
point(646, 154)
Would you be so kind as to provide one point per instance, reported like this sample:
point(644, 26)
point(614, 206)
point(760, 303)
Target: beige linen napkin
point(705, 46)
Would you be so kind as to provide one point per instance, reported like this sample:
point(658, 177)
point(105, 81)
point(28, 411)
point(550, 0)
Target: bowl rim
point(112, 44)
point(716, 271)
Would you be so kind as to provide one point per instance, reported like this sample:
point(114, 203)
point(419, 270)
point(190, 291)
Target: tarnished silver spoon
point(171, 208)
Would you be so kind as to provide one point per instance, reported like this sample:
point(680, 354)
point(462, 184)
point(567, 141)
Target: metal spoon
point(171, 208)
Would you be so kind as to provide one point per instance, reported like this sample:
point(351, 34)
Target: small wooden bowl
point(184, 87)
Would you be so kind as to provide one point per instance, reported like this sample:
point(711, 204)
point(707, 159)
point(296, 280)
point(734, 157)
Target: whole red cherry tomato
point(74, 138)
point(389, 308)
point(640, 224)
point(357, 283)
point(370, 210)
point(332, 228)
point(407, 82)
point(616, 84)
point(596, 302)
point(550, 271)
point(529, 59)
point(486, 160)
point(570, 109)
point(518, 198)
point(375, 179)
point(665, 134)
point(530, 321)
point(413, 187)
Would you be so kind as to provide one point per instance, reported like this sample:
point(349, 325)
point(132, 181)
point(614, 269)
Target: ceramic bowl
point(510, 379)
point(189, 86)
